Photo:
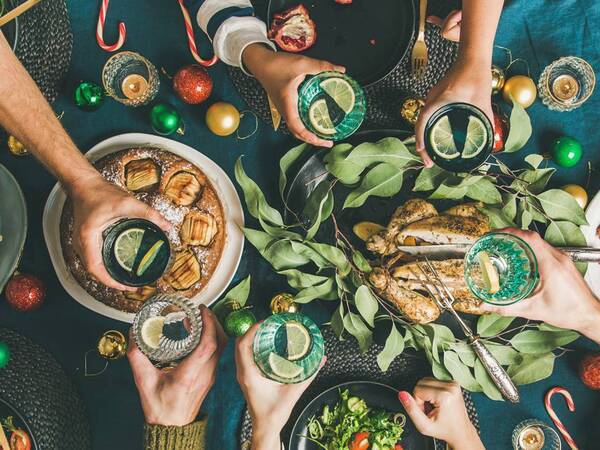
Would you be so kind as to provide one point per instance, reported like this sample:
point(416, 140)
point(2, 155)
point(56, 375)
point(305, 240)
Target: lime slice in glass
point(298, 340)
point(318, 115)
point(442, 140)
point(491, 279)
point(127, 246)
point(149, 258)
point(152, 331)
point(283, 368)
point(477, 137)
point(341, 92)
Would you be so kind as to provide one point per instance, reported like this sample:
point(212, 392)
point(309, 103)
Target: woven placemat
point(44, 44)
point(384, 98)
point(345, 362)
point(36, 385)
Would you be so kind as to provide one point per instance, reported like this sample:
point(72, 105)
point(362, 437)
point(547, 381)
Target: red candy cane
point(554, 417)
point(100, 31)
point(189, 29)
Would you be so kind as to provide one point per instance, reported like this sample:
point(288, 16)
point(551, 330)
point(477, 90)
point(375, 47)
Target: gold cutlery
point(419, 51)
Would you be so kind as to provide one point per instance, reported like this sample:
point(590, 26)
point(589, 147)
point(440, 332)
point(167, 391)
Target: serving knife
point(577, 254)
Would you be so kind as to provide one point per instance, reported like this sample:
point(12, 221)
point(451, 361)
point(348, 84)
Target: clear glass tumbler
point(566, 83)
point(130, 79)
point(533, 434)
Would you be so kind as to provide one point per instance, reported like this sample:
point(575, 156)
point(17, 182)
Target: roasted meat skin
point(445, 229)
point(385, 243)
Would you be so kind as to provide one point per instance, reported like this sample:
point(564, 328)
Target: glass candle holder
point(566, 83)
point(167, 328)
point(130, 79)
point(288, 347)
point(533, 434)
point(514, 263)
point(331, 110)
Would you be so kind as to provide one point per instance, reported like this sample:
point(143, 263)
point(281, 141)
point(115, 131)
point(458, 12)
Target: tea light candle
point(531, 438)
point(565, 87)
point(134, 86)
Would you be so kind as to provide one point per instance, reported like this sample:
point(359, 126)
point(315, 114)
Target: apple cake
point(185, 197)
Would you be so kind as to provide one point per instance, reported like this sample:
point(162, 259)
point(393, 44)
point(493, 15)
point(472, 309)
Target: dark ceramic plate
point(6, 410)
point(376, 395)
point(10, 29)
point(368, 37)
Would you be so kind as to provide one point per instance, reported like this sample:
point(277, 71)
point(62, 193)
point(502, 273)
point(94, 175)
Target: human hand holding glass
point(437, 409)
point(270, 403)
point(281, 74)
point(174, 397)
point(562, 297)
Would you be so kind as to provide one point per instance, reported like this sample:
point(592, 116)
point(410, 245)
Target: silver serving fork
point(444, 299)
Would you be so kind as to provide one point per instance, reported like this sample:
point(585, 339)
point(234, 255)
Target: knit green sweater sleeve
point(188, 437)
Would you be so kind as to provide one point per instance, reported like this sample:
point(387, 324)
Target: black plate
point(376, 395)
point(6, 409)
point(368, 37)
point(10, 29)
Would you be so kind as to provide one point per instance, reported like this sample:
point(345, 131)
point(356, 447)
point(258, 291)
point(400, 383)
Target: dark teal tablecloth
point(536, 30)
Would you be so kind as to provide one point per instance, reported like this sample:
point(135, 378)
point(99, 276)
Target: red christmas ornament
point(500, 130)
point(25, 292)
point(192, 84)
point(589, 371)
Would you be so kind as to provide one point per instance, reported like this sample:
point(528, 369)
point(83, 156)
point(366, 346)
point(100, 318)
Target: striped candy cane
point(554, 417)
point(100, 31)
point(189, 29)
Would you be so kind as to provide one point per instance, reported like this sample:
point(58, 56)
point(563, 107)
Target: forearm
point(478, 29)
point(26, 114)
point(589, 322)
point(265, 439)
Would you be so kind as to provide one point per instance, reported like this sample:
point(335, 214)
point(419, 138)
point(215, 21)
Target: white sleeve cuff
point(211, 7)
point(235, 34)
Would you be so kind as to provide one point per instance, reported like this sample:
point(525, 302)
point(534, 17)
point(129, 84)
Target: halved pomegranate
point(293, 30)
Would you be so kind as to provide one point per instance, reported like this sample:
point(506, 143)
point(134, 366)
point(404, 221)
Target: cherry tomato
point(19, 440)
point(398, 447)
point(360, 442)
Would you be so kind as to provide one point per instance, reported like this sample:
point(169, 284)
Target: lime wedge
point(318, 115)
point(341, 92)
point(491, 279)
point(477, 137)
point(298, 340)
point(152, 331)
point(149, 258)
point(442, 140)
point(283, 368)
point(127, 246)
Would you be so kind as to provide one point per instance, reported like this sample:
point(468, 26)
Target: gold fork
point(419, 51)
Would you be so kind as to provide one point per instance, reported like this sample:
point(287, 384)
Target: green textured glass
point(516, 265)
point(271, 339)
point(345, 123)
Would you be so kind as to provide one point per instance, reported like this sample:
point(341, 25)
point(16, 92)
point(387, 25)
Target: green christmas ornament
point(566, 151)
point(4, 355)
point(165, 119)
point(238, 321)
point(88, 96)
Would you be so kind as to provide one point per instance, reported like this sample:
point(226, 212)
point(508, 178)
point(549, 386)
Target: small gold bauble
point(521, 88)
point(222, 118)
point(112, 345)
point(497, 79)
point(15, 147)
point(284, 303)
point(411, 107)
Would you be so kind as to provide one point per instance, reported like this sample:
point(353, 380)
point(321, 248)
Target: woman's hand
point(270, 403)
point(468, 81)
point(437, 409)
point(450, 26)
point(96, 205)
point(280, 74)
point(562, 297)
point(174, 397)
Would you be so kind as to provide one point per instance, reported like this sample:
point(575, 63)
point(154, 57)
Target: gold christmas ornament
point(112, 345)
point(497, 79)
point(521, 88)
point(222, 118)
point(15, 147)
point(411, 107)
point(284, 303)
